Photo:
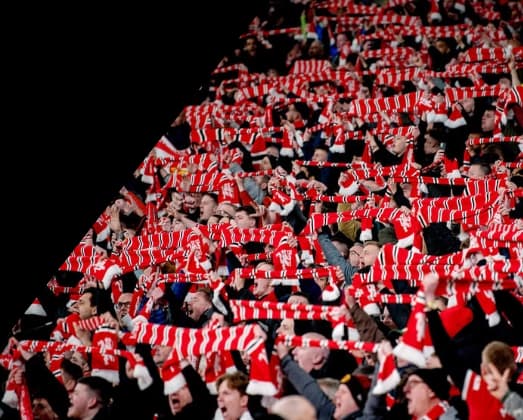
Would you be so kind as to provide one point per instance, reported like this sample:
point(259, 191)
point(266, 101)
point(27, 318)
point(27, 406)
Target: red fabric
point(104, 364)
point(518, 114)
point(246, 199)
point(455, 318)
point(481, 403)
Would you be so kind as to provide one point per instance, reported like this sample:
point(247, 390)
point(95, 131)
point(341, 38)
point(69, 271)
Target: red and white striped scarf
point(16, 393)
point(268, 235)
point(299, 273)
point(477, 141)
point(193, 342)
point(394, 77)
point(300, 341)
point(488, 277)
point(309, 66)
point(457, 94)
point(245, 310)
point(344, 22)
point(398, 103)
point(399, 53)
point(512, 232)
point(473, 55)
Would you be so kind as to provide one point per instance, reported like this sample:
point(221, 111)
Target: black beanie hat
point(358, 386)
point(436, 379)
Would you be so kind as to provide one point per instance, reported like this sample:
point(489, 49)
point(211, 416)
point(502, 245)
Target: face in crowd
point(232, 400)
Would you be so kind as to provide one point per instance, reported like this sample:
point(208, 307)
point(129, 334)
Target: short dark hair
point(322, 147)
point(302, 294)
point(303, 109)
point(132, 221)
point(250, 210)
point(485, 167)
point(214, 196)
point(100, 386)
point(101, 299)
point(72, 369)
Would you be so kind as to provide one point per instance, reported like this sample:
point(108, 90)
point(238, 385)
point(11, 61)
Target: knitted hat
point(338, 145)
point(358, 386)
point(218, 364)
point(455, 118)
point(436, 379)
point(459, 5)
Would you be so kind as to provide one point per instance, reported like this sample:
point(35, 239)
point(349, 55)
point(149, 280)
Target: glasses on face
point(411, 383)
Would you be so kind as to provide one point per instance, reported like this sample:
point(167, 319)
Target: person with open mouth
point(232, 397)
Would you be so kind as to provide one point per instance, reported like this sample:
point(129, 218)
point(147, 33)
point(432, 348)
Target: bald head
point(294, 407)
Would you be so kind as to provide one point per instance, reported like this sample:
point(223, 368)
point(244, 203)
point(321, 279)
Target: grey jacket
point(307, 386)
point(333, 257)
point(513, 403)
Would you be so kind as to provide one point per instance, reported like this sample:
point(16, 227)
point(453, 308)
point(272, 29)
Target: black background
point(87, 93)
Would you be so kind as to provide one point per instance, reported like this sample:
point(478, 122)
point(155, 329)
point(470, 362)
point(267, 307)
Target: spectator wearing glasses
point(122, 311)
point(426, 391)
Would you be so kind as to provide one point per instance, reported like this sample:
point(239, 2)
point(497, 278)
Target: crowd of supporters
point(334, 232)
